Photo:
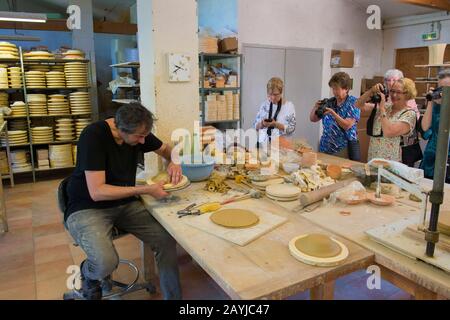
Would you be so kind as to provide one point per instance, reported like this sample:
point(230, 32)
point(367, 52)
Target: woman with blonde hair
point(392, 120)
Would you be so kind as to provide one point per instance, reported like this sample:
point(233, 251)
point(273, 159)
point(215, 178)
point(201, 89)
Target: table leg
point(323, 291)
point(148, 263)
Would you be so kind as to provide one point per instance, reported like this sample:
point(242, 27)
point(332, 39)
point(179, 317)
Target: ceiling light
point(22, 16)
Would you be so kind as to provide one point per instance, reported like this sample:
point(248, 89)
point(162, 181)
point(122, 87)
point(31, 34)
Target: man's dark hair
point(131, 117)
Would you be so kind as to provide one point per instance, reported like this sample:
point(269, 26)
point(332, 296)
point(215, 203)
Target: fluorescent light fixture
point(19, 37)
point(22, 16)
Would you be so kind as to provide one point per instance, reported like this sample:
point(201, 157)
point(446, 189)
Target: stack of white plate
point(73, 54)
point(4, 83)
point(35, 79)
point(4, 97)
point(20, 161)
point(19, 109)
point(283, 192)
point(80, 124)
point(60, 155)
point(80, 103)
point(8, 51)
point(15, 137)
point(55, 79)
point(38, 55)
point(15, 77)
point(38, 67)
point(64, 130)
point(18, 124)
point(58, 104)
point(37, 104)
point(42, 134)
point(76, 74)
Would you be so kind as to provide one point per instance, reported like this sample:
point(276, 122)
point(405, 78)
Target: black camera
point(436, 94)
point(324, 104)
point(376, 98)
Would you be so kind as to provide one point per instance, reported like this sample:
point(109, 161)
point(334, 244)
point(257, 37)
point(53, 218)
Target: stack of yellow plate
point(20, 161)
point(58, 104)
point(4, 167)
point(42, 134)
point(37, 104)
point(15, 77)
point(76, 74)
point(74, 153)
point(38, 67)
point(19, 124)
point(8, 51)
point(19, 109)
point(38, 55)
point(64, 130)
point(4, 77)
point(57, 67)
point(35, 79)
point(73, 54)
point(55, 79)
point(15, 137)
point(4, 97)
point(80, 102)
point(60, 155)
point(80, 124)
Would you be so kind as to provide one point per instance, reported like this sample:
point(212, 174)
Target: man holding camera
point(339, 118)
point(429, 126)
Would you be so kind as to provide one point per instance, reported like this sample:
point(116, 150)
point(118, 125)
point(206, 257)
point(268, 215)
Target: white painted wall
point(326, 24)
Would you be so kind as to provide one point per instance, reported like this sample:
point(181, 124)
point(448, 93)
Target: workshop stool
point(108, 284)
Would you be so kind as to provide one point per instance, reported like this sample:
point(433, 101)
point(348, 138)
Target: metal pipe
point(437, 194)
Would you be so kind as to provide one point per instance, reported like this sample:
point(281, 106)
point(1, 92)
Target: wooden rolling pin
point(314, 196)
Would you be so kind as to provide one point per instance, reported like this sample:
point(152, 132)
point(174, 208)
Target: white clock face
point(179, 67)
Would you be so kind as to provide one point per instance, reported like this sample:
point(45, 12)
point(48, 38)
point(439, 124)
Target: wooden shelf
point(220, 89)
point(53, 61)
point(426, 81)
point(433, 65)
point(216, 56)
point(126, 65)
point(52, 169)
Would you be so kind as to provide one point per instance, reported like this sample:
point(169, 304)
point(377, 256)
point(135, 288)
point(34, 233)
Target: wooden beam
point(60, 25)
point(434, 4)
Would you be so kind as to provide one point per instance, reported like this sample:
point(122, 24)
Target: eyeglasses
point(397, 92)
point(274, 94)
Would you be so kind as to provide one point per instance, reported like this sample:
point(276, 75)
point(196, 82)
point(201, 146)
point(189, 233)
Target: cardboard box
point(342, 58)
point(228, 44)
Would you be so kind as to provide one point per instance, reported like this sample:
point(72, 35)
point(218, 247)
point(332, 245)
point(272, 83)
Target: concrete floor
point(36, 252)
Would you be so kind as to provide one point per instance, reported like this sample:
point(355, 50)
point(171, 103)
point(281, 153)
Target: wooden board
point(239, 236)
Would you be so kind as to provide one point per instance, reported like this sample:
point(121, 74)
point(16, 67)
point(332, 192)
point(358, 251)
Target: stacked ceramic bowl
point(37, 104)
point(57, 67)
point(35, 79)
point(58, 104)
point(60, 155)
point(42, 134)
point(38, 55)
point(283, 192)
point(4, 166)
point(15, 138)
point(39, 67)
point(4, 82)
point(80, 102)
point(19, 109)
point(76, 74)
point(74, 153)
point(4, 98)
point(64, 130)
point(55, 79)
point(73, 54)
point(15, 77)
point(8, 51)
point(20, 161)
point(80, 124)
point(18, 124)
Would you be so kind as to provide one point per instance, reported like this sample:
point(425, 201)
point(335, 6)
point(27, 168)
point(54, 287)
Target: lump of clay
point(234, 218)
point(318, 245)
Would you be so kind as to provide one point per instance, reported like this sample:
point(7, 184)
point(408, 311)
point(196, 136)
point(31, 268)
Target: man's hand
point(174, 172)
point(156, 190)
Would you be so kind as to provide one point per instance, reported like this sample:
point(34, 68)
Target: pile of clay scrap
point(216, 183)
point(310, 179)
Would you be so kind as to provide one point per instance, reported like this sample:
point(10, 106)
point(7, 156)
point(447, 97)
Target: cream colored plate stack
point(57, 67)
point(37, 104)
point(60, 155)
point(35, 79)
point(55, 79)
point(80, 102)
point(38, 67)
point(80, 124)
point(74, 154)
point(283, 192)
point(19, 109)
point(4, 168)
point(20, 161)
point(4, 83)
point(18, 124)
point(15, 77)
point(76, 74)
point(38, 55)
point(8, 51)
point(64, 130)
point(15, 137)
point(42, 134)
point(73, 54)
point(57, 104)
point(4, 99)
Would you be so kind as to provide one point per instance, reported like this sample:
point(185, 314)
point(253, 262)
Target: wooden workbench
point(263, 269)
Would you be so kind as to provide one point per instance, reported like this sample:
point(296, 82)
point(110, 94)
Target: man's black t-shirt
point(98, 151)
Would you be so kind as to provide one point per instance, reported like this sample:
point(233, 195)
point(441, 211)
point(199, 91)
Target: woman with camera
point(390, 121)
point(339, 118)
point(429, 126)
point(276, 116)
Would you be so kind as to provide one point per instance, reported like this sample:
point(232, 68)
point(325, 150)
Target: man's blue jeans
point(92, 231)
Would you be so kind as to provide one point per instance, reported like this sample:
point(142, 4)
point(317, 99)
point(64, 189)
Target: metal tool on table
point(251, 194)
point(188, 211)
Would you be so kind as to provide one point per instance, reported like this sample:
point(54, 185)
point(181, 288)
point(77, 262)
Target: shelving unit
point(135, 89)
point(48, 119)
point(204, 60)
point(10, 176)
point(430, 79)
